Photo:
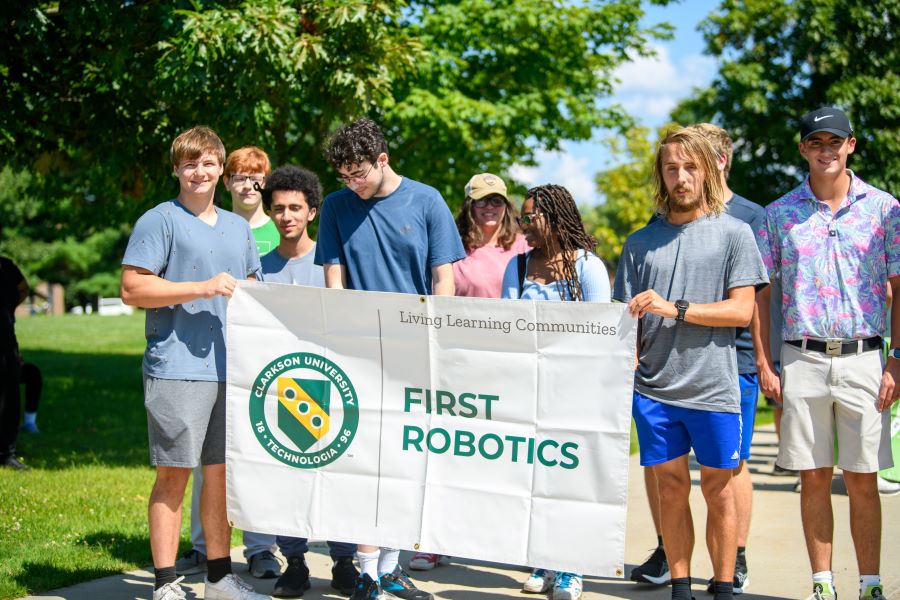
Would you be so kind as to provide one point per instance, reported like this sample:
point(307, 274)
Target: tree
point(783, 58)
point(96, 92)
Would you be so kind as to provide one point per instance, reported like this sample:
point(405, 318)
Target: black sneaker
point(12, 462)
point(655, 569)
point(399, 585)
point(295, 579)
point(782, 472)
point(366, 588)
point(344, 575)
point(740, 582)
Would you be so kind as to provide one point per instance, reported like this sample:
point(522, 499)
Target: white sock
point(868, 581)
point(368, 563)
point(824, 577)
point(30, 418)
point(388, 561)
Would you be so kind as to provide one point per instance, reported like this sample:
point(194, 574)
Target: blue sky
point(649, 88)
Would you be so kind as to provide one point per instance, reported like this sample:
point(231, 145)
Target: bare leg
point(779, 410)
point(213, 514)
point(817, 515)
point(652, 497)
point(721, 520)
point(865, 520)
point(164, 514)
point(742, 487)
point(676, 523)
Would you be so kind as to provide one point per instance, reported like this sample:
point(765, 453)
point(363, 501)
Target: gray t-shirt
point(187, 341)
point(682, 364)
point(296, 271)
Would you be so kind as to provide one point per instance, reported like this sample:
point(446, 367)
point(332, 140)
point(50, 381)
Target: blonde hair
point(194, 142)
point(720, 141)
point(249, 159)
point(699, 148)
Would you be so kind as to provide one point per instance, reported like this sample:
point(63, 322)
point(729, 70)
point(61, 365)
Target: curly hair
point(293, 179)
point(558, 206)
point(355, 143)
point(470, 232)
point(698, 147)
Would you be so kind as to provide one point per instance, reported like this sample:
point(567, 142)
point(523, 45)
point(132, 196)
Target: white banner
point(488, 429)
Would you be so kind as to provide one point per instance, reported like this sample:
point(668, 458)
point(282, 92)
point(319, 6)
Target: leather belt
point(838, 347)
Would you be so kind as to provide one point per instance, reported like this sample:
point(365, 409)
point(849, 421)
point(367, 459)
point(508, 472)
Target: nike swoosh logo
point(817, 119)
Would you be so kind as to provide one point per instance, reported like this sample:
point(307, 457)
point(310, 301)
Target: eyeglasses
point(240, 178)
point(527, 218)
point(495, 201)
point(348, 179)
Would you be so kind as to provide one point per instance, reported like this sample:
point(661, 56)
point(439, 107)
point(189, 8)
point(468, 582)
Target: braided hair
point(559, 208)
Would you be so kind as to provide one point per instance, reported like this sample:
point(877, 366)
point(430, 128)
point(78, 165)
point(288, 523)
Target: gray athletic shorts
point(185, 422)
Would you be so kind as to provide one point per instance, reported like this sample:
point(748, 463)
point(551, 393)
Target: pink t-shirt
point(480, 273)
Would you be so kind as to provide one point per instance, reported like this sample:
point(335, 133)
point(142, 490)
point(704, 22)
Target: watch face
point(895, 352)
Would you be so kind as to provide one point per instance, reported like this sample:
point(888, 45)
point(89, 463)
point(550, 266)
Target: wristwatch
point(894, 353)
point(682, 306)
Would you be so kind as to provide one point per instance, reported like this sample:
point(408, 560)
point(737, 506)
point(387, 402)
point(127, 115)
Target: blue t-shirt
point(187, 341)
point(296, 271)
point(389, 244)
point(591, 272)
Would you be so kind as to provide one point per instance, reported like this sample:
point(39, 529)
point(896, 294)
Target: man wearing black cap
point(834, 245)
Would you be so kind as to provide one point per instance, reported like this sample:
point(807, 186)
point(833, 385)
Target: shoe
point(888, 488)
point(344, 575)
point(822, 591)
point(782, 472)
point(231, 587)
point(655, 569)
point(264, 565)
point(539, 582)
point(32, 428)
point(170, 591)
point(798, 487)
point(566, 586)
point(873, 592)
point(191, 562)
point(367, 589)
point(740, 582)
point(295, 579)
point(11, 462)
point(422, 561)
point(399, 585)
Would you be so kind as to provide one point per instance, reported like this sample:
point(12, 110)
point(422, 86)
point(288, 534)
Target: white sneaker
point(170, 591)
point(567, 586)
point(888, 488)
point(231, 587)
point(423, 561)
point(539, 581)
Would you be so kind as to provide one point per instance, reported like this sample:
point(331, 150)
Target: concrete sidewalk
point(776, 553)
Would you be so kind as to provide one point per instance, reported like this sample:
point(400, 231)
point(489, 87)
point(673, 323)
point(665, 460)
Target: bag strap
point(521, 260)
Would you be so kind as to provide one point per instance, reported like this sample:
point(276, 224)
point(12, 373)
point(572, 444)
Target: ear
point(383, 159)
point(312, 214)
point(227, 181)
point(802, 147)
point(851, 145)
point(721, 161)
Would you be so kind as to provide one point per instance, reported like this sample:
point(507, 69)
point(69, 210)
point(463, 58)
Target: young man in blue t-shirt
point(182, 263)
point(385, 233)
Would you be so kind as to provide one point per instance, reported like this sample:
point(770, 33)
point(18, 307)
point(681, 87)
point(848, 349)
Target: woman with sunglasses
point(487, 226)
point(562, 265)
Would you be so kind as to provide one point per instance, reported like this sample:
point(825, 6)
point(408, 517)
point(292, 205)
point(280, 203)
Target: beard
point(684, 204)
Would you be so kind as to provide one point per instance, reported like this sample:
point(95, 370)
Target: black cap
point(828, 118)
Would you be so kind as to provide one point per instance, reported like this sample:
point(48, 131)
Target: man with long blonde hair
point(690, 278)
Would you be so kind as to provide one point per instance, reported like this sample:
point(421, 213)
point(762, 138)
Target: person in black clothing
point(13, 290)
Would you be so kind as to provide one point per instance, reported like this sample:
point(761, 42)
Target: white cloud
point(650, 86)
point(562, 168)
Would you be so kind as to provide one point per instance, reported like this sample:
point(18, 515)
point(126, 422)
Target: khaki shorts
point(824, 395)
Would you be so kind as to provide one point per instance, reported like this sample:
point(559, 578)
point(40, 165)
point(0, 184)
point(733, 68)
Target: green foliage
point(781, 59)
point(628, 193)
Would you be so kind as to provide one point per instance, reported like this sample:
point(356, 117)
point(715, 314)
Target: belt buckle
point(833, 347)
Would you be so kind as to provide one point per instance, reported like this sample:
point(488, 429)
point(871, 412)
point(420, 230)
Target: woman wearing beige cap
point(487, 226)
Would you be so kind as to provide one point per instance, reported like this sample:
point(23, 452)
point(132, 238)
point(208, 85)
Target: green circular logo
point(311, 418)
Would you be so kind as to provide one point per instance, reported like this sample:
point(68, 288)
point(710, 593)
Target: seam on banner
point(380, 419)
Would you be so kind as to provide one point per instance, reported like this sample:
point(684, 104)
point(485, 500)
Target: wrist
point(894, 353)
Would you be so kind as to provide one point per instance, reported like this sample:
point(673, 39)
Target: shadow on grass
point(91, 412)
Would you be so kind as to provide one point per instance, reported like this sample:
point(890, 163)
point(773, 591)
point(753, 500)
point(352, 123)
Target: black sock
point(723, 590)
point(659, 543)
point(742, 555)
point(681, 588)
point(164, 576)
point(218, 568)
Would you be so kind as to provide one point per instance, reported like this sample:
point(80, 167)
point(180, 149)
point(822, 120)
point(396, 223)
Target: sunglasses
point(495, 201)
point(527, 218)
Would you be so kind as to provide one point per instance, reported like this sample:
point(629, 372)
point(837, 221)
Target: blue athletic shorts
point(749, 398)
point(666, 432)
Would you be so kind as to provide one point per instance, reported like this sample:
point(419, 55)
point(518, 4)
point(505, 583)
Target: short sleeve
point(251, 253)
point(510, 286)
point(892, 238)
point(746, 265)
point(623, 290)
point(769, 244)
point(444, 243)
point(594, 279)
point(150, 243)
point(329, 250)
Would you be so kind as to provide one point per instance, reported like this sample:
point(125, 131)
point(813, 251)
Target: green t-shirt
point(266, 237)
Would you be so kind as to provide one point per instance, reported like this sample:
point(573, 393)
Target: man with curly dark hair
point(387, 233)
